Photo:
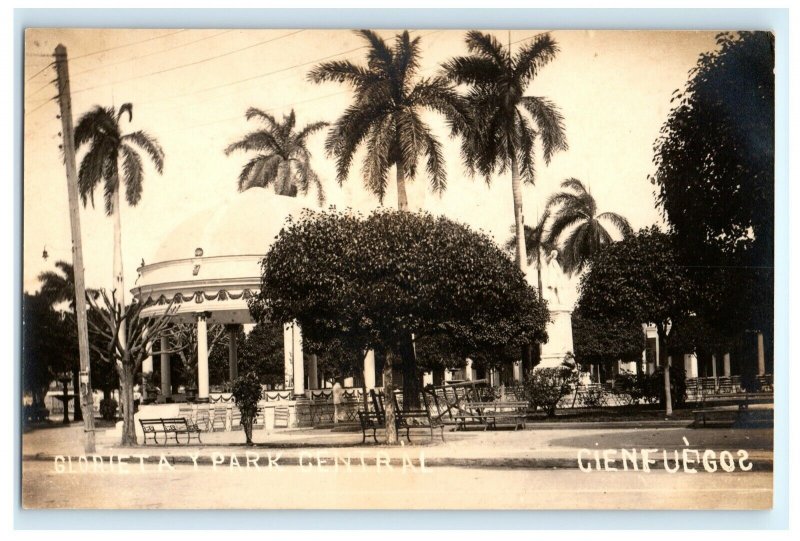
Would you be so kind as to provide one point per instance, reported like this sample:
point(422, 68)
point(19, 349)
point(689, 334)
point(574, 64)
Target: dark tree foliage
point(369, 282)
point(47, 350)
point(436, 353)
point(638, 280)
point(381, 277)
point(599, 340)
point(715, 180)
point(262, 353)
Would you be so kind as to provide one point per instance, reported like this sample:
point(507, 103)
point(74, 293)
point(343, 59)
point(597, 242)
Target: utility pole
point(65, 104)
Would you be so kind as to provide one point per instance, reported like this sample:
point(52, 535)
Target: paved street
point(530, 469)
point(439, 488)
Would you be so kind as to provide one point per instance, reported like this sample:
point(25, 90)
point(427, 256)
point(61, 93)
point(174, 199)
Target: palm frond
point(150, 145)
point(254, 112)
point(435, 165)
point(561, 223)
point(309, 129)
point(619, 221)
point(377, 157)
point(526, 138)
point(90, 172)
point(472, 70)
point(550, 123)
point(575, 185)
point(379, 54)
point(405, 61)
point(533, 56)
point(98, 120)
point(257, 141)
point(487, 46)
point(111, 185)
point(132, 175)
point(125, 108)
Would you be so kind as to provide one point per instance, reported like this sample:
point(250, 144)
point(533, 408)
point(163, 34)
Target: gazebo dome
point(210, 263)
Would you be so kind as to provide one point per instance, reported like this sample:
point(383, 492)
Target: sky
point(190, 89)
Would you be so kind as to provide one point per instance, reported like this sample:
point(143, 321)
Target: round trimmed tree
point(371, 281)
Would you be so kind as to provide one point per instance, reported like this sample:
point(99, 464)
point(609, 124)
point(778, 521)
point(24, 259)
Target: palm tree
point(283, 159)
point(386, 115)
point(536, 242)
point(100, 129)
point(575, 216)
point(504, 123)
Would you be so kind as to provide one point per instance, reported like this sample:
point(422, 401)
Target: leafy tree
point(100, 129)
point(714, 180)
point(106, 321)
point(247, 392)
point(637, 280)
point(601, 341)
point(283, 159)
point(262, 353)
point(385, 116)
point(370, 282)
point(47, 351)
point(504, 123)
point(575, 217)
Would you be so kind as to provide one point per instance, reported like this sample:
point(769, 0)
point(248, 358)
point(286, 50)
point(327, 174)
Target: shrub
point(108, 409)
point(247, 392)
point(593, 397)
point(547, 386)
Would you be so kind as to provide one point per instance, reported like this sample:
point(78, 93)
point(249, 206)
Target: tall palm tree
point(536, 242)
point(283, 159)
point(575, 218)
point(505, 123)
point(108, 146)
point(386, 115)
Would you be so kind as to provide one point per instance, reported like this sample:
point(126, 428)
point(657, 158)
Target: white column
point(714, 367)
point(166, 376)
point(517, 371)
point(297, 356)
point(202, 359)
point(369, 369)
point(726, 365)
point(762, 367)
point(288, 362)
point(348, 383)
point(427, 379)
point(690, 365)
point(448, 375)
point(468, 371)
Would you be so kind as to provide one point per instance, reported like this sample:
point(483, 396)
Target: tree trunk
point(118, 283)
point(402, 198)
point(411, 383)
point(126, 398)
point(388, 397)
point(77, 416)
point(519, 218)
point(662, 353)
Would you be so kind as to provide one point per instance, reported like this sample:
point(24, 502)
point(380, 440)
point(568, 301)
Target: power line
point(32, 77)
point(160, 51)
point(267, 74)
point(127, 45)
point(186, 65)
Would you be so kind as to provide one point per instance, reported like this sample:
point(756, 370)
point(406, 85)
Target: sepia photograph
point(398, 269)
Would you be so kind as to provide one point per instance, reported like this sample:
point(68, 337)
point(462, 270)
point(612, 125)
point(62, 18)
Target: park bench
point(404, 419)
point(740, 408)
point(493, 414)
point(169, 426)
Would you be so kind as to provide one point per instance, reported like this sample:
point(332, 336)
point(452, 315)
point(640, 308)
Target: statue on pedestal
point(553, 279)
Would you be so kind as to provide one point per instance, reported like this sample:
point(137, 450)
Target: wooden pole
point(65, 104)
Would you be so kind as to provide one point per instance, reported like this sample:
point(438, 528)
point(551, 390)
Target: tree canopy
point(714, 180)
point(637, 280)
point(373, 280)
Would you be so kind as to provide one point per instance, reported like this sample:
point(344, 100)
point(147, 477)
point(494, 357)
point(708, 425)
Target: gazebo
point(210, 266)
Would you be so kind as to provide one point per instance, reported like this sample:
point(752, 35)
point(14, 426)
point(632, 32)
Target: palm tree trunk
point(118, 284)
point(402, 198)
point(519, 218)
point(388, 398)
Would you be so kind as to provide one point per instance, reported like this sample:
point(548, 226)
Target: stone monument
point(559, 330)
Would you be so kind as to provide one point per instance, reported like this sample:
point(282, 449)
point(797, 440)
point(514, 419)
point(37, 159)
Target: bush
point(547, 386)
point(108, 409)
point(593, 397)
point(247, 392)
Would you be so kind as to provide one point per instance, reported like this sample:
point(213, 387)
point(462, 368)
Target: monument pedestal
point(559, 337)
